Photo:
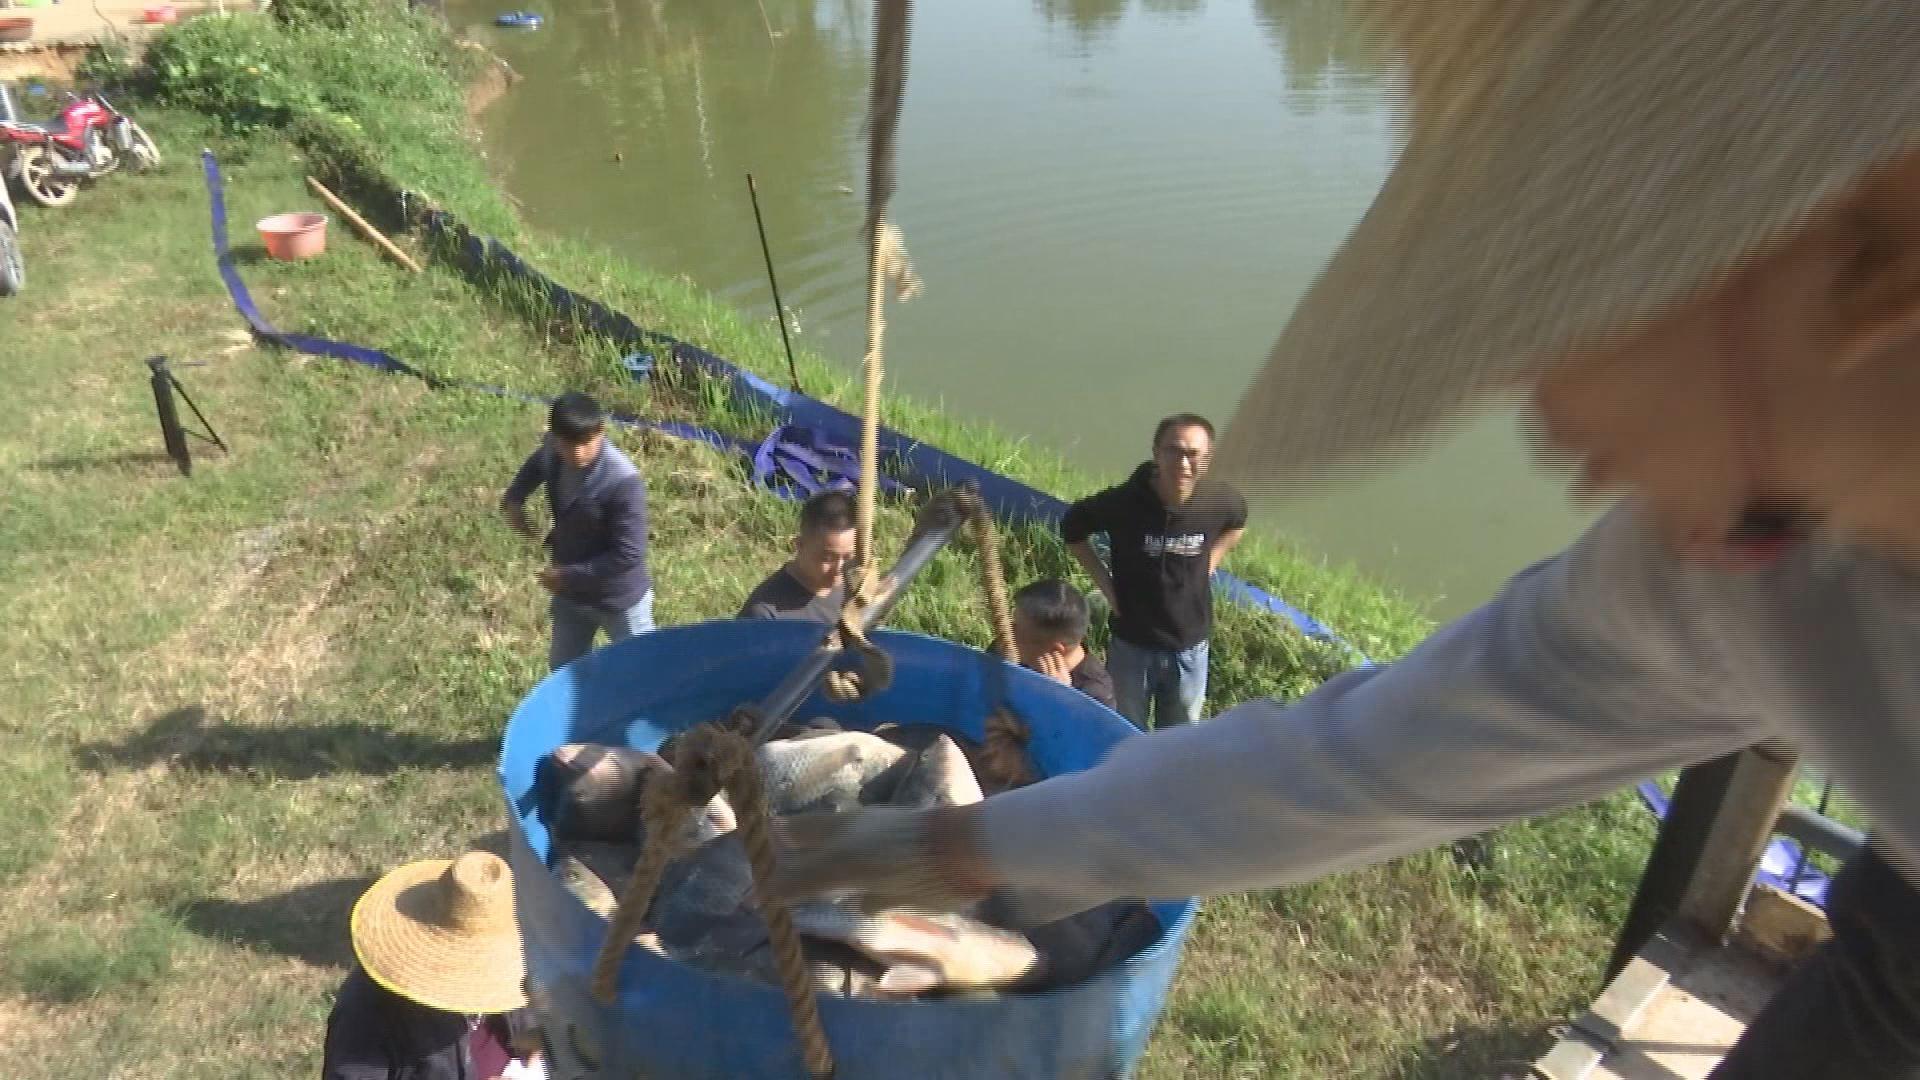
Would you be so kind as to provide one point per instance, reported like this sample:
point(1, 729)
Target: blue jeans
point(574, 626)
point(1172, 684)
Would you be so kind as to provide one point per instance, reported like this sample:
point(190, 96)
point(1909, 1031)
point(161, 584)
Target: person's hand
point(550, 579)
point(888, 856)
point(1053, 666)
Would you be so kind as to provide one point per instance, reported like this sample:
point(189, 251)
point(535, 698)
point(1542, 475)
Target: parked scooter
point(89, 139)
point(13, 265)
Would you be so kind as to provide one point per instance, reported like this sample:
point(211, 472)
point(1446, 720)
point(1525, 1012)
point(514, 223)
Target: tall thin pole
point(779, 309)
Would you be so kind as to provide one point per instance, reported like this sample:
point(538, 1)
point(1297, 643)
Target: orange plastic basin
point(294, 236)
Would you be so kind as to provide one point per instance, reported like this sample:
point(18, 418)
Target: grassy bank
point(233, 700)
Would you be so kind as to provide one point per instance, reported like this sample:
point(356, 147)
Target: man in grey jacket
point(598, 544)
point(1687, 232)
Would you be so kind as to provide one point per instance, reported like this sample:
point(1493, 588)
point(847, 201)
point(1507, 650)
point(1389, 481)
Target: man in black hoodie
point(1168, 528)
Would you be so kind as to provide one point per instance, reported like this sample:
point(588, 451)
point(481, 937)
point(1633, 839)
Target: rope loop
point(716, 757)
point(875, 673)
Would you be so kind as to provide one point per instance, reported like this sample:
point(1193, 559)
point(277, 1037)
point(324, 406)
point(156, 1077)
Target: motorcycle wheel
point(141, 148)
point(38, 180)
point(13, 265)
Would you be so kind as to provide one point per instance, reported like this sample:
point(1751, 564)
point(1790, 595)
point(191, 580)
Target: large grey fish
point(596, 789)
point(703, 888)
point(828, 772)
point(715, 819)
point(734, 944)
point(938, 776)
point(924, 951)
point(595, 871)
point(599, 796)
point(915, 738)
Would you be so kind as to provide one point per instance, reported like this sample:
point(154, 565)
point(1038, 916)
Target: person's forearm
point(1089, 561)
point(1222, 547)
point(516, 515)
point(1558, 692)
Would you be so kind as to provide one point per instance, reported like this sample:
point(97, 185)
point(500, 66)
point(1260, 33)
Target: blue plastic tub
point(525, 19)
point(671, 1020)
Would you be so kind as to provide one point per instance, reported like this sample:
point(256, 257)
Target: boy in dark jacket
point(1168, 528)
point(1050, 619)
point(598, 543)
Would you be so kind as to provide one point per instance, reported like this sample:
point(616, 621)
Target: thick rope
point(716, 757)
point(868, 493)
point(1006, 739)
point(993, 579)
point(663, 808)
point(734, 760)
point(885, 249)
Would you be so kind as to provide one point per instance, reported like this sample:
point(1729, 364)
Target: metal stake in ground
point(171, 433)
point(779, 309)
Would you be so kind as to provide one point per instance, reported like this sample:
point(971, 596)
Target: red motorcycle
point(89, 139)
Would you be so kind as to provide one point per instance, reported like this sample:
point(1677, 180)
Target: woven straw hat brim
point(478, 973)
point(1571, 168)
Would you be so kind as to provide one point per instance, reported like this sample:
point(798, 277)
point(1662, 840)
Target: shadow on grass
point(309, 923)
point(73, 463)
point(1488, 1052)
point(250, 254)
point(185, 739)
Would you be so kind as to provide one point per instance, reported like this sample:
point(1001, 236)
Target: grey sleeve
point(533, 473)
point(1588, 671)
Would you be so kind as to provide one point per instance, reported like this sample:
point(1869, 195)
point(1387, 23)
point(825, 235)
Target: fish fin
point(909, 979)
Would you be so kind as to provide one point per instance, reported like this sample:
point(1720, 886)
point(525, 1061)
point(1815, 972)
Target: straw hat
point(442, 932)
point(1571, 166)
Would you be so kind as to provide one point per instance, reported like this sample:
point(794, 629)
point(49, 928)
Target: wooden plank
point(375, 235)
point(1780, 927)
point(1672, 1013)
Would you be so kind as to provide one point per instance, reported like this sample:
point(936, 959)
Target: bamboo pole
point(360, 223)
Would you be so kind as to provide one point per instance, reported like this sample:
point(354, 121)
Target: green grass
point(233, 700)
point(70, 962)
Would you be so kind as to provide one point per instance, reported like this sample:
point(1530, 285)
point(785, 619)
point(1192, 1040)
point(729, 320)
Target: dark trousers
point(1851, 1010)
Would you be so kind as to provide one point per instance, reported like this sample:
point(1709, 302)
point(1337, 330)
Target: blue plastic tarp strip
point(374, 358)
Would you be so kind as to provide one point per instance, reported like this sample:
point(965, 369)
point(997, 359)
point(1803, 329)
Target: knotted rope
point(876, 667)
point(1005, 744)
point(716, 758)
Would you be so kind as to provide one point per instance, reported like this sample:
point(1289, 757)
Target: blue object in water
point(684, 1022)
point(526, 19)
